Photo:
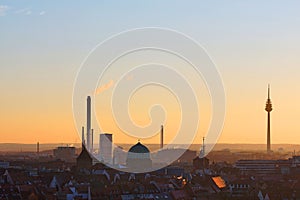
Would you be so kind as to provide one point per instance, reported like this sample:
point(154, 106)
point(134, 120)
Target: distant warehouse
point(264, 167)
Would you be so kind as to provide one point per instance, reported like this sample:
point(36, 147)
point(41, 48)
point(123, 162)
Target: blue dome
point(139, 148)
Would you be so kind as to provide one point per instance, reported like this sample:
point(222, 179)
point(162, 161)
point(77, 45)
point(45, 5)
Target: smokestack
point(203, 147)
point(88, 123)
point(82, 136)
point(92, 145)
point(162, 137)
point(38, 149)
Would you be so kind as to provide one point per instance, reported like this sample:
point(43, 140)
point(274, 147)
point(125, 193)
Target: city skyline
point(252, 43)
point(150, 100)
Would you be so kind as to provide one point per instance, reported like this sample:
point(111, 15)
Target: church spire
point(202, 151)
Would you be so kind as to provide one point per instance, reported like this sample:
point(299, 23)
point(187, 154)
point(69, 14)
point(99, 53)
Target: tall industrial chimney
point(88, 123)
point(38, 150)
point(82, 136)
point(92, 145)
point(162, 137)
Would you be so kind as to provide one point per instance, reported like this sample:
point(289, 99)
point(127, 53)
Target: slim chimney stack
point(82, 135)
point(162, 137)
point(92, 145)
point(88, 123)
point(38, 149)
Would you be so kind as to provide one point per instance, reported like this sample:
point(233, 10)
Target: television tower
point(269, 109)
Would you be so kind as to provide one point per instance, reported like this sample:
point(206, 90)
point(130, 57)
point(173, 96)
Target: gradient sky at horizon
point(253, 43)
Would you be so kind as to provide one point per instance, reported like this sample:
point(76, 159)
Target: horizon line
point(70, 143)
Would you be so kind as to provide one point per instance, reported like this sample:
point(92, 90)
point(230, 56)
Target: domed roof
point(139, 148)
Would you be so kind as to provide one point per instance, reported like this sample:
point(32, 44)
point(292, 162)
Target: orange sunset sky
point(252, 43)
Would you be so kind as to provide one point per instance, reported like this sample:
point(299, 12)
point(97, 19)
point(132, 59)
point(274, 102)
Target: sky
point(253, 44)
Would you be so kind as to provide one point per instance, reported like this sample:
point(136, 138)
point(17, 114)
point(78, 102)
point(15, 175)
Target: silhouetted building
point(119, 156)
point(174, 155)
point(84, 160)
point(105, 147)
point(258, 167)
point(138, 158)
point(201, 163)
point(65, 153)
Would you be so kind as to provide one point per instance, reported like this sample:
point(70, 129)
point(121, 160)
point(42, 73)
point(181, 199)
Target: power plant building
point(105, 147)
